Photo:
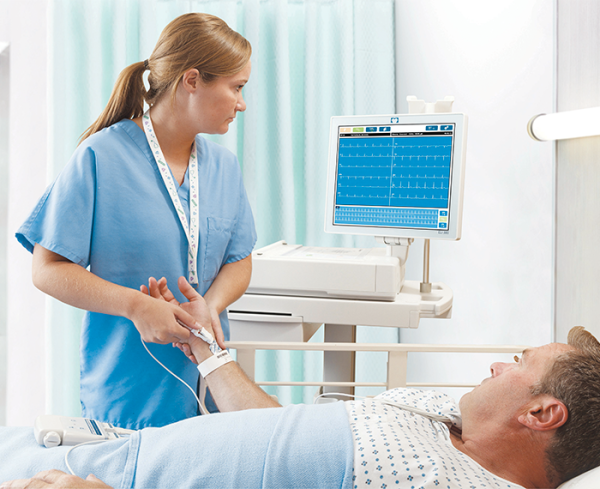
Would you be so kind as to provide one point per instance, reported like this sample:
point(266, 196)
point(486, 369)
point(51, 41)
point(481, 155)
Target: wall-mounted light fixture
point(565, 125)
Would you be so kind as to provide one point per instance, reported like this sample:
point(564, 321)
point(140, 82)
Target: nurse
point(144, 195)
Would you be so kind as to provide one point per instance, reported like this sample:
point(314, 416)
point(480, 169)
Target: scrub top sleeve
point(243, 238)
point(62, 221)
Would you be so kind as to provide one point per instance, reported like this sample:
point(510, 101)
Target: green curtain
point(312, 59)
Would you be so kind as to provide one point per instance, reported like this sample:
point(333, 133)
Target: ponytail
point(126, 100)
point(193, 40)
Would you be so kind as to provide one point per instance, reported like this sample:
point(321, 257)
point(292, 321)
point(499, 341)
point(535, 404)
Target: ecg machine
point(394, 177)
point(399, 176)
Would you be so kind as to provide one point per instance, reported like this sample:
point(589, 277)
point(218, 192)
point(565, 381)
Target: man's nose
point(497, 368)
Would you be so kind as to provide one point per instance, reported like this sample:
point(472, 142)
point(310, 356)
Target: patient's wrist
point(199, 349)
point(213, 362)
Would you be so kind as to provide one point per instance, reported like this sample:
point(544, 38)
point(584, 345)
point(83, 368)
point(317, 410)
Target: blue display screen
point(397, 176)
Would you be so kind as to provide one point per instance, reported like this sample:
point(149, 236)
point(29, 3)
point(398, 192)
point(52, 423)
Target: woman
point(144, 196)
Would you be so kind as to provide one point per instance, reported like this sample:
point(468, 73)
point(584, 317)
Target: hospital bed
point(170, 458)
point(396, 372)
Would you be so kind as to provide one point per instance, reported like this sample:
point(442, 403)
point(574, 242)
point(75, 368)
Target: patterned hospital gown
point(394, 448)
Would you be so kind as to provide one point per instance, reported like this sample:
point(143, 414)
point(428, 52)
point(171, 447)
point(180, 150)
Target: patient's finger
point(166, 292)
point(24, 484)
point(59, 480)
point(187, 290)
point(97, 482)
point(160, 290)
point(51, 479)
point(144, 290)
point(153, 288)
point(217, 330)
point(50, 476)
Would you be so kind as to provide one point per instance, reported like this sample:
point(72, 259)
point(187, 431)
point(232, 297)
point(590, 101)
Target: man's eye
point(517, 359)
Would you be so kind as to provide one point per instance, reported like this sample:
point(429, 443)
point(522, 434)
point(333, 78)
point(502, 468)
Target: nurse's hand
point(58, 480)
point(196, 307)
point(160, 321)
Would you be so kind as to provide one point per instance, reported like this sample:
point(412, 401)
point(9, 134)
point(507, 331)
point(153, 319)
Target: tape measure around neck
point(191, 230)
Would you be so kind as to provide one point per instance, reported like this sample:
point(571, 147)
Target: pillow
point(587, 480)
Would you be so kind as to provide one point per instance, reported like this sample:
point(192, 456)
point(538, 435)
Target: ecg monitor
point(396, 175)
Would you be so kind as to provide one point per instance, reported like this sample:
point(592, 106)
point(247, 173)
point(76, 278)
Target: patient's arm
point(230, 387)
point(57, 480)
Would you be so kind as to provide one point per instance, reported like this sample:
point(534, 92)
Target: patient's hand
point(56, 479)
point(196, 306)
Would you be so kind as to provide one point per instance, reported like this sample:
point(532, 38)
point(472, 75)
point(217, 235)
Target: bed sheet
point(299, 446)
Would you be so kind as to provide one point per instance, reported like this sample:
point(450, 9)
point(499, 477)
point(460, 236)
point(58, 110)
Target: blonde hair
point(194, 40)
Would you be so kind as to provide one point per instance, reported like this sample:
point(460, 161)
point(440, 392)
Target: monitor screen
point(396, 175)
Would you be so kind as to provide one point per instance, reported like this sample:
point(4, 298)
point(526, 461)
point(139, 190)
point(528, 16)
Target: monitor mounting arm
point(397, 248)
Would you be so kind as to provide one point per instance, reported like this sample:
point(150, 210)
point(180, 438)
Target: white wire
point(445, 421)
point(326, 394)
point(203, 409)
point(74, 447)
point(432, 416)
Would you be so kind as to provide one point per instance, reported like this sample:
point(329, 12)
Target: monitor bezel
point(457, 176)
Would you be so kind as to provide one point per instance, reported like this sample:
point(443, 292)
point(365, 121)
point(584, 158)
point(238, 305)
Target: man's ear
point(544, 413)
point(191, 80)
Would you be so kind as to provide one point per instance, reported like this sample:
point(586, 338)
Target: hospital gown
point(395, 448)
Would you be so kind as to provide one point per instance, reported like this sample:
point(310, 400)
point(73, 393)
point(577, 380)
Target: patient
point(534, 423)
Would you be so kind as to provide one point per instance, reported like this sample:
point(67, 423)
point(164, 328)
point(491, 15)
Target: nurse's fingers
point(144, 290)
point(186, 320)
point(187, 351)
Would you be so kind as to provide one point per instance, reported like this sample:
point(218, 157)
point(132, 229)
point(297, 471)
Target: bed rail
point(397, 359)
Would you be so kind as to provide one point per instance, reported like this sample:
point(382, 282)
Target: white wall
point(578, 172)
point(4, 95)
point(497, 59)
point(24, 28)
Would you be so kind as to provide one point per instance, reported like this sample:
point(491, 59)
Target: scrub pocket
point(217, 239)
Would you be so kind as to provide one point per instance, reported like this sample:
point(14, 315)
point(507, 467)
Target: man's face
point(501, 398)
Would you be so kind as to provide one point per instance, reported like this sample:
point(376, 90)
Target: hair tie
point(146, 64)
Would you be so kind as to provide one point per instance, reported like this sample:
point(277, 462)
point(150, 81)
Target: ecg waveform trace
point(388, 217)
point(394, 171)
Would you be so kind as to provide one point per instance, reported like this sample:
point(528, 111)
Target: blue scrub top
point(109, 210)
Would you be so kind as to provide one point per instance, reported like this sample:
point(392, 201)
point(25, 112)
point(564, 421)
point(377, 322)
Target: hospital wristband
point(214, 362)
